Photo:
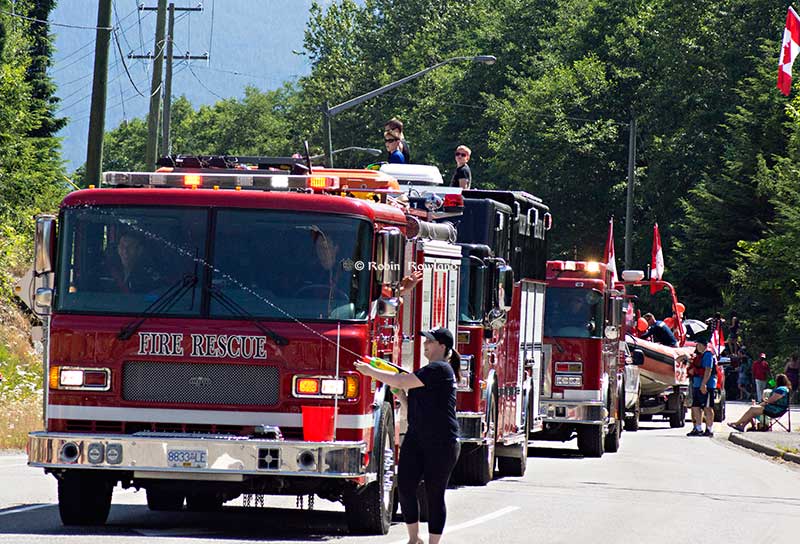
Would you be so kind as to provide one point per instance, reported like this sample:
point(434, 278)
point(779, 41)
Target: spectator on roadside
point(761, 375)
point(733, 334)
point(704, 382)
point(393, 134)
point(775, 406)
point(431, 448)
point(745, 378)
point(462, 177)
point(792, 371)
point(659, 331)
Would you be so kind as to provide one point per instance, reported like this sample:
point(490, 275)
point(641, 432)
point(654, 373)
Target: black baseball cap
point(441, 335)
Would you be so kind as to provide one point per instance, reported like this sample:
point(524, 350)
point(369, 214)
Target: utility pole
point(97, 117)
point(168, 44)
point(631, 176)
point(155, 87)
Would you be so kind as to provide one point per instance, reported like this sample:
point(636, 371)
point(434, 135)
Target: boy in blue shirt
point(704, 382)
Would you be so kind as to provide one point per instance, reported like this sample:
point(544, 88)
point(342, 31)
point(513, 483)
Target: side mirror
point(505, 287)
point(390, 255)
point(43, 297)
point(44, 248)
point(638, 357)
point(495, 319)
point(387, 307)
point(612, 332)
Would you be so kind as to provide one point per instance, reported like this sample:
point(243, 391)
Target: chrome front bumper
point(566, 411)
point(148, 455)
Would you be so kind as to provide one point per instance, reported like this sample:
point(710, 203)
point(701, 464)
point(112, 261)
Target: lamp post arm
point(379, 91)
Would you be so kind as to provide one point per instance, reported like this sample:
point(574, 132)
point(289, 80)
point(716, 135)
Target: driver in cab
point(328, 273)
point(135, 274)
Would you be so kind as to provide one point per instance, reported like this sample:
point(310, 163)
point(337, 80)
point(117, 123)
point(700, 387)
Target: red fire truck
point(584, 389)
point(199, 314)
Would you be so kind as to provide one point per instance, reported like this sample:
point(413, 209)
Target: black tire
point(516, 464)
point(719, 408)
point(591, 440)
point(84, 498)
point(678, 419)
point(160, 499)
point(369, 509)
point(612, 440)
point(475, 465)
point(204, 502)
point(632, 422)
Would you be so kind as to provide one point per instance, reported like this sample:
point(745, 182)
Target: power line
point(211, 38)
point(122, 58)
point(204, 85)
point(64, 25)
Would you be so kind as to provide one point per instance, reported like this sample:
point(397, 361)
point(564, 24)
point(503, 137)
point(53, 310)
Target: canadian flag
point(611, 261)
point(657, 264)
point(789, 49)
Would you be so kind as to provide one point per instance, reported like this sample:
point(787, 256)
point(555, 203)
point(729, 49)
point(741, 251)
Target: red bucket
point(318, 423)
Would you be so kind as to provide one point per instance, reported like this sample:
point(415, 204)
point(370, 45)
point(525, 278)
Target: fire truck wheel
point(591, 440)
point(369, 509)
point(632, 422)
point(204, 502)
point(476, 464)
point(516, 465)
point(164, 500)
point(84, 498)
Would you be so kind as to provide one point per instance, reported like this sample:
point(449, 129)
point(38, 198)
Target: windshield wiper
point(163, 303)
point(236, 309)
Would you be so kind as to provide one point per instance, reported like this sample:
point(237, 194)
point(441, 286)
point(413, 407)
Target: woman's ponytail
point(455, 362)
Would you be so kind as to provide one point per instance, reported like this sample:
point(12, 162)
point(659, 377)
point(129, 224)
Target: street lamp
point(368, 150)
point(330, 112)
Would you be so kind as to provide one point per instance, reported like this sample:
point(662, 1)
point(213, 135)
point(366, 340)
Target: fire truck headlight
point(569, 381)
point(593, 267)
point(76, 378)
point(306, 386)
point(332, 386)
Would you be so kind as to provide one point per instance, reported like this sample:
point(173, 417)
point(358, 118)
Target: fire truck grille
point(239, 385)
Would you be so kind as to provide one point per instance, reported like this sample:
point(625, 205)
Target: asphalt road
point(660, 487)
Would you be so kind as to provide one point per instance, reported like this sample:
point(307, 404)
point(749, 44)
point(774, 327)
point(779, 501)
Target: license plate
point(187, 458)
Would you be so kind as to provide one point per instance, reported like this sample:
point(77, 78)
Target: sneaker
point(694, 432)
point(708, 432)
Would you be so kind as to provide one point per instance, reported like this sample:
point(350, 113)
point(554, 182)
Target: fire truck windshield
point(262, 264)
point(306, 265)
point(120, 260)
point(471, 291)
point(573, 313)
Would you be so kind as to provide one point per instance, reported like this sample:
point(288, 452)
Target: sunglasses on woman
point(459, 154)
point(390, 140)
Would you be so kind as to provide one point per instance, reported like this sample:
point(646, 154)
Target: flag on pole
point(717, 341)
point(657, 264)
point(789, 49)
point(610, 257)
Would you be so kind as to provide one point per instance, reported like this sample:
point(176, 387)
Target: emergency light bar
point(245, 180)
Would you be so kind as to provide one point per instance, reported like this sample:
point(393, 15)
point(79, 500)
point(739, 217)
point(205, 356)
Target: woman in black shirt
point(430, 448)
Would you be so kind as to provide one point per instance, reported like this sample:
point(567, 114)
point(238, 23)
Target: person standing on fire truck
point(430, 448)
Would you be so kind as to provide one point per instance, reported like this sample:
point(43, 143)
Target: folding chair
point(766, 423)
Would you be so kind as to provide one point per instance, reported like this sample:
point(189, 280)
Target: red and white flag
point(610, 256)
point(657, 263)
point(717, 341)
point(789, 49)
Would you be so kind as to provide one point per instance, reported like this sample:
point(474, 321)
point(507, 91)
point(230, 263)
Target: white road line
point(471, 523)
point(25, 509)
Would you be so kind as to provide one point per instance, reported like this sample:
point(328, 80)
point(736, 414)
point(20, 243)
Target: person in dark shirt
point(394, 129)
point(430, 448)
point(462, 177)
point(135, 274)
point(659, 331)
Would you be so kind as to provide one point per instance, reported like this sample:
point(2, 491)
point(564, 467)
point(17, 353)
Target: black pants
point(433, 463)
